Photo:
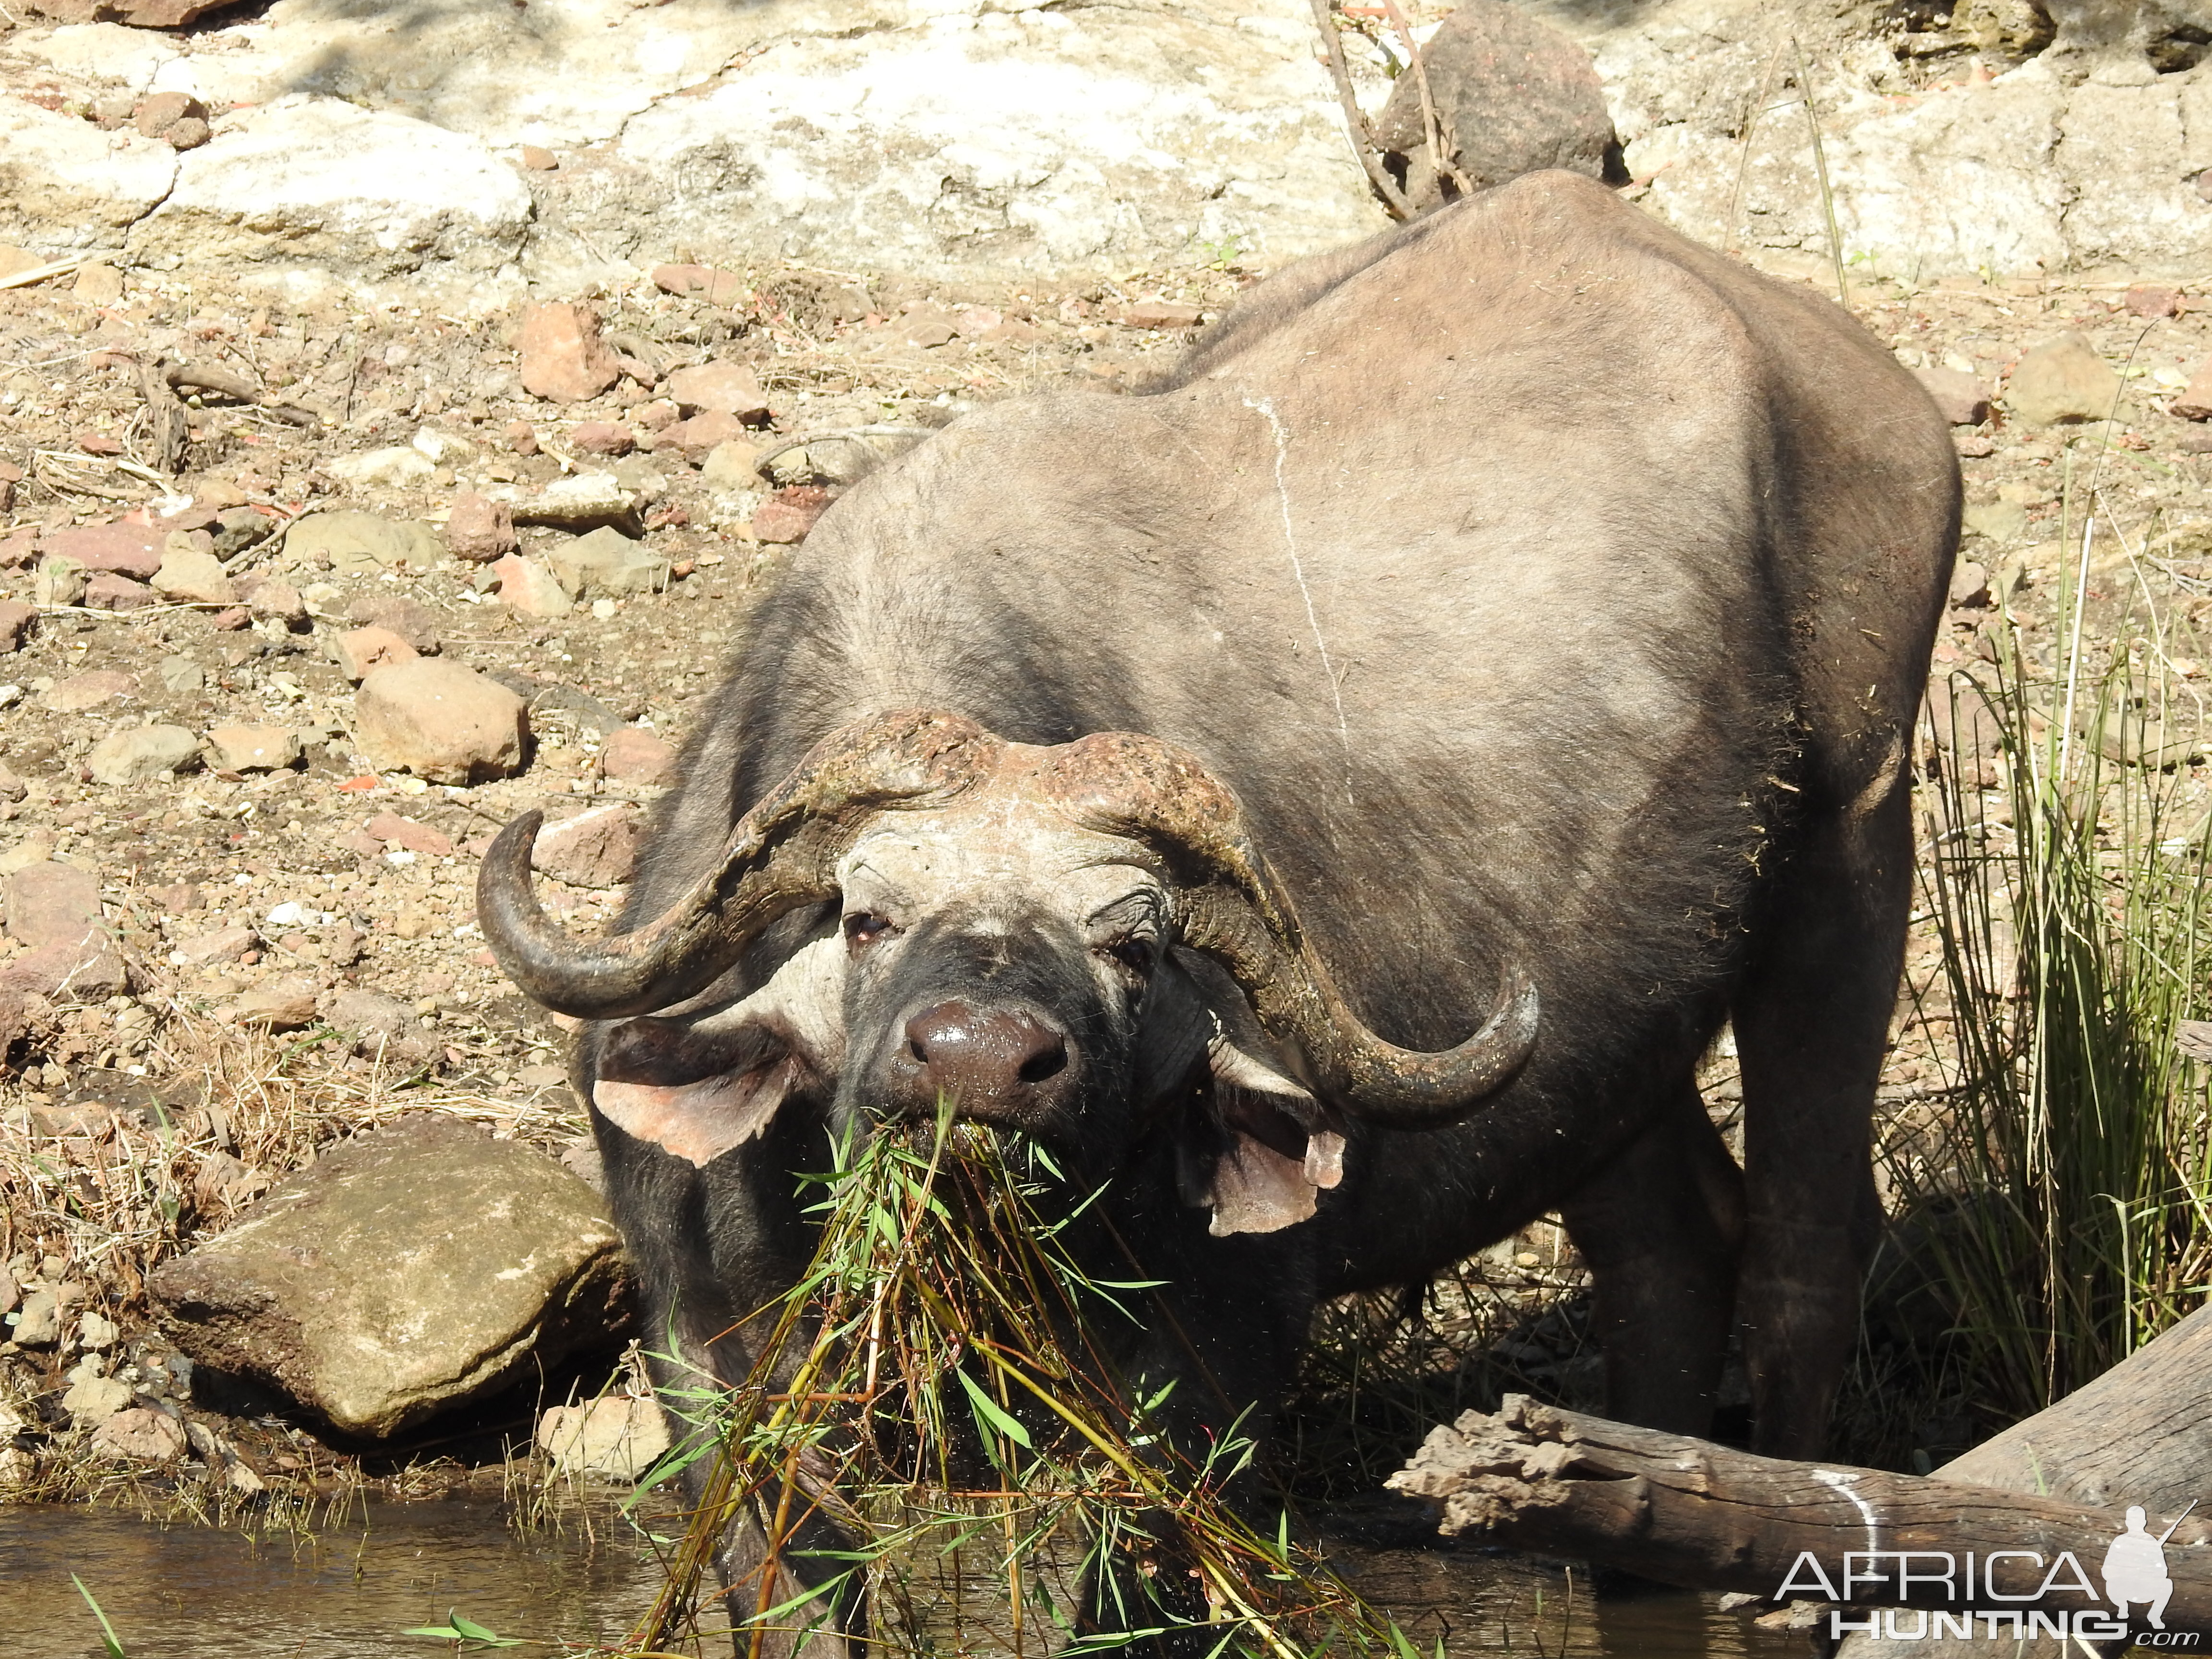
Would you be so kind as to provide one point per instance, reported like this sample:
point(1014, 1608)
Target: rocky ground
point(299, 605)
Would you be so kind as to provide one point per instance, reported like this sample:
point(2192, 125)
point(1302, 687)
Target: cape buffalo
point(1334, 796)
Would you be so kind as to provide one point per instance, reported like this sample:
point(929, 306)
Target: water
point(350, 1590)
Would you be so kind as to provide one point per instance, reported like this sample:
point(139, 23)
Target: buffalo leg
point(1659, 1227)
point(1812, 1024)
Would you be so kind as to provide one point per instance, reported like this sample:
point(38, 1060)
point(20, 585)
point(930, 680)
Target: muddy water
point(350, 1591)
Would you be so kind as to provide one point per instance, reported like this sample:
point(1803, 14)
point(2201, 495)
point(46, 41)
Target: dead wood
point(1686, 1511)
point(1355, 120)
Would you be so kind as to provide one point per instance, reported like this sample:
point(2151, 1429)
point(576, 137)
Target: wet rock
point(562, 358)
point(718, 388)
point(285, 1004)
point(529, 587)
point(358, 651)
point(139, 756)
point(109, 592)
point(195, 577)
point(637, 757)
point(479, 529)
point(790, 514)
point(252, 748)
point(596, 848)
point(729, 465)
point(141, 1435)
point(129, 550)
point(79, 692)
point(607, 564)
point(441, 721)
point(1519, 96)
point(616, 1437)
point(2063, 380)
point(354, 541)
point(1960, 397)
point(304, 181)
point(701, 282)
point(16, 620)
point(38, 1323)
point(406, 1271)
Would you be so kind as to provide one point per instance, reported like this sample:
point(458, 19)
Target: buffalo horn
point(1232, 907)
point(781, 855)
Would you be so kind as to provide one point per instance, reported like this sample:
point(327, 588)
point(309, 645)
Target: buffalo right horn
point(781, 855)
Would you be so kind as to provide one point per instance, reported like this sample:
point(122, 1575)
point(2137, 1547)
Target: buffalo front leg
point(1812, 1024)
point(1659, 1227)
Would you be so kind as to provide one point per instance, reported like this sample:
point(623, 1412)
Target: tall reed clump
point(2055, 1205)
point(944, 1397)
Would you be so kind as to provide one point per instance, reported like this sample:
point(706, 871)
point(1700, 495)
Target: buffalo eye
point(865, 928)
point(1132, 956)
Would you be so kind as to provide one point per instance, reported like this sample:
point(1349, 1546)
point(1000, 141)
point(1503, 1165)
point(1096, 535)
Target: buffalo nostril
point(918, 1048)
point(1049, 1061)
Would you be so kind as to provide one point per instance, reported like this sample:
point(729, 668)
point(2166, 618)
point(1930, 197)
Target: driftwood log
point(1686, 1511)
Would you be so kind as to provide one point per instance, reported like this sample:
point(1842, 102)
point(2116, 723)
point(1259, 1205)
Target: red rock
point(1162, 314)
point(603, 438)
point(405, 832)
point(282, 1004)
point(271, 597)
point(230, 620)
point(633, 755)
point(522, 437)
point(1963, 400)
point(109, 592)
point(2194, 401)
point(441, 721)
point(790, 514)
point(527, 585)
point(654, 415)
point(562, 358)
point(2145, 301)
point(140, 1434)
point(53, 904)
point(538, 160)
point(72, 973)
point(598, 848)
point(479, 529)
point(360, 651)
point(82, 691)
point(415, 623)
point(15, 620)
point(718, 388)
point(154, 116)
point(18, 549)
point(93, 442)
point(716, 288)
point(224, 945)
point(695, 439)
point(129, 550)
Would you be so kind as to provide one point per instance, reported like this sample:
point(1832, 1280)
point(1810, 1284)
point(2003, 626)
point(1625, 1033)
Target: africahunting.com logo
point(2001, 1594)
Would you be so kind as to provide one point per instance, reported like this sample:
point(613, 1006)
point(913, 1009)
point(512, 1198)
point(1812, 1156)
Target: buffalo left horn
point(1232, 907)
point(781, 855)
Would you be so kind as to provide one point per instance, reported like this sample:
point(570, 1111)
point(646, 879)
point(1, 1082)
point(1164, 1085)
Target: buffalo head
point(1060, 939)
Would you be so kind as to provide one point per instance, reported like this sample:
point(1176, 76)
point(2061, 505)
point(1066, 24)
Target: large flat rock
point(405, 1271)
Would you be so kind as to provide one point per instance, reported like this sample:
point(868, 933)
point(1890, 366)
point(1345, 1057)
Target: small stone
point(188, 134)
point(720, 387)
point(353, 541)
point(94, 1399)
point(50, 903)
point(224, 945)
point(703, 282)
point(441, 721)
point(130, 550)
point(538, 160)
point(140, 756)
point(2001, 522)
point(596, 848)
point(607, 562)
point(283, 1005)
point(98, 283)
point(252, 748)
point(2145, 301)
point(38, 1323)
point(360, 651)
point(11, 786)
point(59, 582)
point(279, 601)
point(405, 832)
point(178, 899)
point(239, 528)
point(603, 438)
point(700, 436)
point(1959, 397)
point(790, 514)
point(729, 465)
point(2060, 380)
point(578, 503)
point(1970, 585)
point(141, 1435)
point(195, 577)
point(155, 115)
point(2194, 401)
point(180, 676)
point(652, 417)
point(529, 587)
point(521, 437)
point(109, 592)
point(562, 358)
point(380, 1025)
point(634, 756)
point(615, 1437)
point(1976, 446)
point(479, 529)
point(415, 623)
point(927, 326)
point(96, 1332)
point(1162, 314)
point(231, 620)
point(72, 973)
point(443, 448)
point(395, 466)
point(16, 619)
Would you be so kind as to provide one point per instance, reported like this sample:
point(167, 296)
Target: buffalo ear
point(696, 1089)
point(1279, 1153)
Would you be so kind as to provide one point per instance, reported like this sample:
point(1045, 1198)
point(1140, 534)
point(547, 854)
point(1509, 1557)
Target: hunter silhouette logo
point(2134, 1567)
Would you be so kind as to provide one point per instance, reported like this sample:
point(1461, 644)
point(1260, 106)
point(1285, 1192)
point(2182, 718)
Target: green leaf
point(113, 1647)
point(991, 1415)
